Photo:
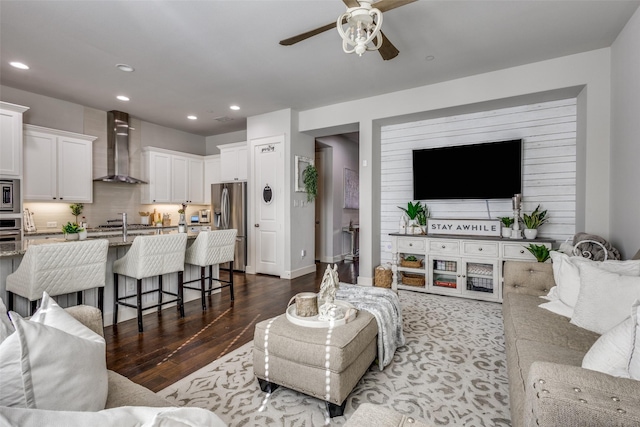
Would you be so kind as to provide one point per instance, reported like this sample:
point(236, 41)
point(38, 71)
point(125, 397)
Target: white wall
point(172, 139)
point(343, 154)
point(625, 139)
point(589, 71)
point(298, 218)
point(548, 132)
point(213, 141)
point(45, 111)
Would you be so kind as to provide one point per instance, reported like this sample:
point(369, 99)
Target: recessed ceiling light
point(234, 107)
point(19, 65)
point(192, 117)
point(122, 98)
point(125, 67)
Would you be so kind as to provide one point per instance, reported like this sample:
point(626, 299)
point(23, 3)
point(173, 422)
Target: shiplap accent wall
point(548, 131)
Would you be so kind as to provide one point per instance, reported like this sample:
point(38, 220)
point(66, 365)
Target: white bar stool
point(150, 256)
point(210, 248)
point(60, 269)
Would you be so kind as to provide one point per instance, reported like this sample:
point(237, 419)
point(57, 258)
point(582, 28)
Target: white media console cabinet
point(463, 266)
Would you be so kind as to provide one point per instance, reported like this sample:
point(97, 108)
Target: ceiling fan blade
point(387, 50)
point(386, 5)
point(351, 3)
point(304, 36)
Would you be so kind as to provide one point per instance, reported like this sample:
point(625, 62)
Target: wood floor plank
point(172, 347)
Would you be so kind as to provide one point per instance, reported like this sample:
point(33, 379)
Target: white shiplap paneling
point(548, 131)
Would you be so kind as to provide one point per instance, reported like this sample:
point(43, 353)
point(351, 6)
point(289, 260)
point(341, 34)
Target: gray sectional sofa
point(547, 385)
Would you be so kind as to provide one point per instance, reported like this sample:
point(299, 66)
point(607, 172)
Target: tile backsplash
point(109, 200)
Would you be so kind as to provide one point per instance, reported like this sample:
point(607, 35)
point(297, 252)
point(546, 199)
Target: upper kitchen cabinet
point(58, 165)
point(211, 175)
point(173, 177)
point(11, 139)
point(187, 179)
point(234, 162)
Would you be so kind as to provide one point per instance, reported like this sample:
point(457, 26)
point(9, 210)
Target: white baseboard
point(299, 272)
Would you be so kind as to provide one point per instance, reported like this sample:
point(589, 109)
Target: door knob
point(256, 225)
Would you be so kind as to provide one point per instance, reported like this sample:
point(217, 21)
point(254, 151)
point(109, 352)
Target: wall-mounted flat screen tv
point(491, 170)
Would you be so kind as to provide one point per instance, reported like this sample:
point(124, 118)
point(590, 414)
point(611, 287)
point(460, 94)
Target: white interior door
point(268, 220)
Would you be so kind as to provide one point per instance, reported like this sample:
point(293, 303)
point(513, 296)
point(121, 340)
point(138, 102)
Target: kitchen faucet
point(124, 226)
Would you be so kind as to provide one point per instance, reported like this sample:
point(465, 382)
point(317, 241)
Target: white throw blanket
point(384, 305)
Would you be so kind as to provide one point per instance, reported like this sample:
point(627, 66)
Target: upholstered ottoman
point(297, 357)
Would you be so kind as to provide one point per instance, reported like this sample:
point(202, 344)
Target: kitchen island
point(11, 254)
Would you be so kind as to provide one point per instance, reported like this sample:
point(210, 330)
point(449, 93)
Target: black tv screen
point(478, 171)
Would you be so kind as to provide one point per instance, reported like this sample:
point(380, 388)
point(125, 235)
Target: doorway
point(268, 182)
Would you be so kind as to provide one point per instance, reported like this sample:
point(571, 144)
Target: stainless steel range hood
point(118, 149)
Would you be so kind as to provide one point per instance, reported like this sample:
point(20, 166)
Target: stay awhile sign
point(464, 227)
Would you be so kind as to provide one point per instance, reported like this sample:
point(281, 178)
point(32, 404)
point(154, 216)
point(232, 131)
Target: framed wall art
point(351, 189)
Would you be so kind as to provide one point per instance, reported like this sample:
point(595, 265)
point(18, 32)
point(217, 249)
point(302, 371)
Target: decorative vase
point(71, 236)
point(506, 232)
point(413, 226)
point(530, 233)
point(82, 235)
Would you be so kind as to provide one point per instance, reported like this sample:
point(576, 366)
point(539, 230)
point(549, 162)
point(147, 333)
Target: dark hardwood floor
point(172, 347)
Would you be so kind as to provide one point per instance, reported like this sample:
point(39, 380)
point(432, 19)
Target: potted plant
point(507, 222)
point(74, 231)
point(76, 210)
point(310, 180)
point(533, 221)
point(412, 210)
point(422, 217)
point(540, 252)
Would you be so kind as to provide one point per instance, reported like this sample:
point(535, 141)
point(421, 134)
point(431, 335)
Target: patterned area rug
point(452, 371)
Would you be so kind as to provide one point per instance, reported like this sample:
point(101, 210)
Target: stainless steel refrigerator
point(229, 210)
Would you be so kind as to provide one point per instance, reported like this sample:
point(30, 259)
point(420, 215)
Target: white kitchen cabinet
point(211, 175)
point(58, 165)
point(172, 177)
point(156, 171)
point(458, 266)
point(234, 162)
point(11, 139)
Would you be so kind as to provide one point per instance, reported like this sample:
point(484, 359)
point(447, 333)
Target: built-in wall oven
point(10, 196)
point(10, 229)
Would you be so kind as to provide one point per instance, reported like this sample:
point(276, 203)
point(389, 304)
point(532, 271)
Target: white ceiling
point(199, 57)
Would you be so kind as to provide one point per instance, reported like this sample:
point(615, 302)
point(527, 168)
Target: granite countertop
point(8, 249)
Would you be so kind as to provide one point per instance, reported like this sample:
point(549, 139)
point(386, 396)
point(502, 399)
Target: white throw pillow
point(566, 273)
point(53, 362)
point(6, 328)
point(605, 298)
point(612, 352)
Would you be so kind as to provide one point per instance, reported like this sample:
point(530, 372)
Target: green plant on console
point(423, 215)
point(310, 180)
point(71, 228)
point(540, 252)
point(410, 258)
point(536, 219)
point(412, 210)
point(507, 221)
point(76, 210)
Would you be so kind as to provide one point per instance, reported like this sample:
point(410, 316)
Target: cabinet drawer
point(518, 251)
point(444, 246)
point(411, 245)
point(480, 248)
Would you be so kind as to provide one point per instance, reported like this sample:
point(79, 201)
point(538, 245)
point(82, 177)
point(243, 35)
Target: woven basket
point(412, 279)
point(411, 264)
point(382, 277)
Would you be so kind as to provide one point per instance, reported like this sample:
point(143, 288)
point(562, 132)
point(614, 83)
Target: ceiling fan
point(361, 10)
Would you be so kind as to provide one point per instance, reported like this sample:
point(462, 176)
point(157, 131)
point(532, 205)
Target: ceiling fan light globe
point(363, 28)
